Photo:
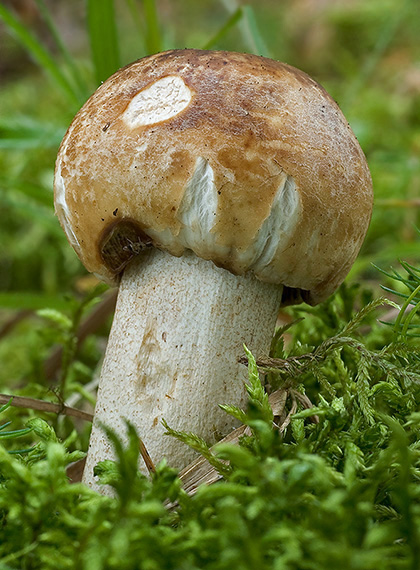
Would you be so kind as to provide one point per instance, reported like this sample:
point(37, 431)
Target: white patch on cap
point(62, 209)
point(158, 102)
point(197, 210)
point(277, 228)
point(197, 213)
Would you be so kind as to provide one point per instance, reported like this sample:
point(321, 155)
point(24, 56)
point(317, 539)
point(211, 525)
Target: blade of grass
point(36, 192)
point(153, 35)
point(248, 27)
point(225, 28)
point(21, 133)
point(136, 17)
point(398, 203)
point(39, 54)
point(15, 433)
point(388, 33)
point(6, 405)
point(408, 320)
point(77, 78)
point(412, 271)
point(252, 33)
point(32, 301)
point(399, 323)
point(23, 208)
point(103, 38)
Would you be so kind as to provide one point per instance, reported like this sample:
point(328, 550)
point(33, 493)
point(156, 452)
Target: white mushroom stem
point(179, 329)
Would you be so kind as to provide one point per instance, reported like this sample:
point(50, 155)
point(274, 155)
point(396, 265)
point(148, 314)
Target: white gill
point(197, 214)
point(197, 211)
point(278, 227)
point(62, 209)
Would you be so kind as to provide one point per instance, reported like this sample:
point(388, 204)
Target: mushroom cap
point(246, 161)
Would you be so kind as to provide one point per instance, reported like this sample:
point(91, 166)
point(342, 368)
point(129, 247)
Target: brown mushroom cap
point(244, 160)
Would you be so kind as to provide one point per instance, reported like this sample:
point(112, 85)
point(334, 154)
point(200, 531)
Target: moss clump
point(335, 487)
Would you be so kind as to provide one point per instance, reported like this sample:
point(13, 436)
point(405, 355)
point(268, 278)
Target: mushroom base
point(179, 329)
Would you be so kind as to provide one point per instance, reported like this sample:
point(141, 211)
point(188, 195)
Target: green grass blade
point(32, 301)
point(22, 133)
point(103, 38)
point(153, 35)
point(15, 433)
point(412, 271)
point(248, 27)
point(18, 452)
point(38, 52)
point(252, 33)
point(225, 28)
point(77, 78)
point(408, 320)
point(4, 407)
point(25, 208)
point(147, 25)
point(32, 190)
point(399, 323)
point(136, 17)
point(385, 38)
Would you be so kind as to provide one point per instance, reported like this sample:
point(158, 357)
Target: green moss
point(337, 488)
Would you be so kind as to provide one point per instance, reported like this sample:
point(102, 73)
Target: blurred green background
point(54, 54)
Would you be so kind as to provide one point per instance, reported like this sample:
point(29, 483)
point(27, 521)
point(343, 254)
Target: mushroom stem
point(178, 333)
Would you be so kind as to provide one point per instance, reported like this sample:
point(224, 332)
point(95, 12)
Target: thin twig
point(146, 458)
point(42, 406)
point(306, 403)
point(292, 365)
point(292, 411)
point(89, 325)
point(14, 321)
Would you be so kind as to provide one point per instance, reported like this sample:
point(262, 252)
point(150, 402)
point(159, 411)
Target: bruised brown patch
point(120, 242)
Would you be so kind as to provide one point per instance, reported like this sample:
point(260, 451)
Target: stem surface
point(178, 332)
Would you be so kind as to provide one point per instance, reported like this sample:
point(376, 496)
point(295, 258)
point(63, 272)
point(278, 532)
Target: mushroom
point(212, 187)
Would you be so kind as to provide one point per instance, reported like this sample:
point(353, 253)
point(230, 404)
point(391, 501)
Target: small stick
point(15, 320)
point(42, 406)
point(146, 458)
